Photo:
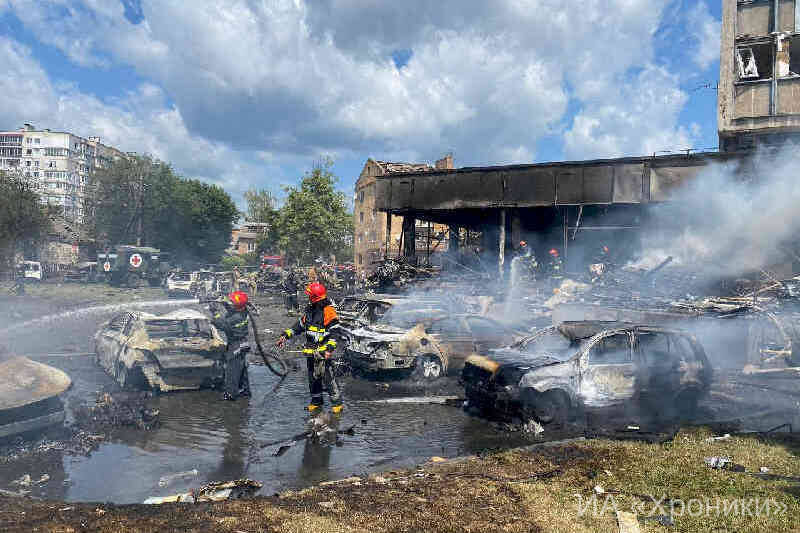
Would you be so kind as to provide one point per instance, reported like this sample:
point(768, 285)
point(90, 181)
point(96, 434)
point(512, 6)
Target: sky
point(252, 93)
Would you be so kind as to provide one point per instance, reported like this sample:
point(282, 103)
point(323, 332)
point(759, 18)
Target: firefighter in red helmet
point(232, 318)
point(320, 324)
point(556, 266)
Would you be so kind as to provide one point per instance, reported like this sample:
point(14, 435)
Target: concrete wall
point(757, 109)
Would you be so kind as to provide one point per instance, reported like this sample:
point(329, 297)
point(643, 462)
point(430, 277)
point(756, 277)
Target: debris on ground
point(215, 491)
point(723, 463)
point(166, 480)
point(124, 409)
point(726, 436)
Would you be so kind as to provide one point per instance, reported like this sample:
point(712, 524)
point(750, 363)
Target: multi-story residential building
point(759, 81)
point(370, 240)
point(244, 239)
point(57, 163)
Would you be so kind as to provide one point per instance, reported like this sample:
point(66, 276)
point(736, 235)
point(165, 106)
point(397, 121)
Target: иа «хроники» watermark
point(601, 504)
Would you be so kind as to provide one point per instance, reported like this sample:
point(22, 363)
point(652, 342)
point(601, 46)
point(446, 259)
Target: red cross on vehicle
point(136, 260)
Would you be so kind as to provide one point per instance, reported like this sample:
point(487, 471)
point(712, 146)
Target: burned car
point(180, 350)
point(180, 284)
point(577, 367)
point(355, 311)
point(427, 343)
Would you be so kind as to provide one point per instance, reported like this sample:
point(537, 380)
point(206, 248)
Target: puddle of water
point(222, 440)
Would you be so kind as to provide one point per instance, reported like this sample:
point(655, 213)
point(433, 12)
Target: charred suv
point(180, 350)
point(591, 366)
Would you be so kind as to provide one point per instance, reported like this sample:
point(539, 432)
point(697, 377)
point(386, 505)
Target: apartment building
point(370, 242)
point(57, 163)
point(759, 87)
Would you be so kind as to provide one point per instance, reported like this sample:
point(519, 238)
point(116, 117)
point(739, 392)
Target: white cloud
point(640, 118)
point(705, 30)
point(293, 78)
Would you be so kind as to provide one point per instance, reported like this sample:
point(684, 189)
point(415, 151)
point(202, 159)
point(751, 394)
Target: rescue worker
point(528, 260)
point(231, 317)
point(320, 324)
point(555, 264)
point(290, 287)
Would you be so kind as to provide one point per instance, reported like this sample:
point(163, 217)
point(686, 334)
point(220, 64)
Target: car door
point(608, 372)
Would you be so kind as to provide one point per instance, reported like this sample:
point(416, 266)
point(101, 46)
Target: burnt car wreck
point(562, 372)
point(180, 350)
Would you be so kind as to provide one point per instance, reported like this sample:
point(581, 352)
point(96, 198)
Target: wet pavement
point(224, 440)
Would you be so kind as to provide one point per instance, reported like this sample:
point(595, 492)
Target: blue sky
point(250, 94)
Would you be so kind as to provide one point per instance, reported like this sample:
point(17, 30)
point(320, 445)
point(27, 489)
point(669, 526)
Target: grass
point(499, 492)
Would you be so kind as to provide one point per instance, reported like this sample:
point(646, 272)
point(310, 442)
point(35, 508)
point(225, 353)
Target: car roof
point(583, 329)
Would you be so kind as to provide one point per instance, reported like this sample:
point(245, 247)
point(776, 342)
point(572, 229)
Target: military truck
point(133, 266)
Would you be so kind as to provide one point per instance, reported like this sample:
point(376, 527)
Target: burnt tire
point(551, 407)
point(427, 367)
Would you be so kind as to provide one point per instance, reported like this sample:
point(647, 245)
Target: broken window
point(613, 350)
point(794, 57)
point(754, 62)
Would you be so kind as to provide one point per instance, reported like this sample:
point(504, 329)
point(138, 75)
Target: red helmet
point(316, 292)
point(553, 252)
point(238, 299)
point(523, 244)
point(605, 249)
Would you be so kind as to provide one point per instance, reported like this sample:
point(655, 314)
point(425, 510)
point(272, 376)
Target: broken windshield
point(550, 343)
point(162, 329)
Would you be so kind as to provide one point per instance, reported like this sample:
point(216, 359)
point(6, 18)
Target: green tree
point(24, 221)
point(314, 220)
point(260, 206)
point(140, 200)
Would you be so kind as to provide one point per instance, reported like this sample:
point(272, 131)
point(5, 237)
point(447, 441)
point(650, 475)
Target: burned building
point(370, 241)
point(571, 206)
point(759, 83)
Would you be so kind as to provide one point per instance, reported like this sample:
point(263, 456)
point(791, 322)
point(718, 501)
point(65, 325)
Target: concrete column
point(452, 245)
point(409, 239)
point(388, 248)
point(501, 257)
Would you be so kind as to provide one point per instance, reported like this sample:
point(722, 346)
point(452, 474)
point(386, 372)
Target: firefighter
point(555, 263)
point(320, 324)
point(290, 290)
point(231, 317)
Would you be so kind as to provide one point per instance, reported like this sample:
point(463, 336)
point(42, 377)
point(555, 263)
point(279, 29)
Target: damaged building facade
point(573, 207)
point(759, 84)
point(371, 227)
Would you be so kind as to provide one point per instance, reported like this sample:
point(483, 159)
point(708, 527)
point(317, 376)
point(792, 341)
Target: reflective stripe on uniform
point(309, 351)
point(288, 333)
point(315, 329)
point(242, 324)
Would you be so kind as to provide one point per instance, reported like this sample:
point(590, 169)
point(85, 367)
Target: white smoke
point(733, 219)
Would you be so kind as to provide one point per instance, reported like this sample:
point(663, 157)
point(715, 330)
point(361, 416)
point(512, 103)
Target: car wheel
point(427, 367)
point(133, 281)
point(552, 407)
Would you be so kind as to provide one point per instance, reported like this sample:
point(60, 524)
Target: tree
point(24, 221)
point(141, 200)
point(260, 206)
point(314, 220)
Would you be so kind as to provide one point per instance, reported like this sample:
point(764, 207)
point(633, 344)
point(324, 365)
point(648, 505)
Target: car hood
point(511, 356)
point(379, 333)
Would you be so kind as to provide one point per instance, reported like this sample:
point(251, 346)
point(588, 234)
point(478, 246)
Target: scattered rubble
point(117, 410)
point(216, 491)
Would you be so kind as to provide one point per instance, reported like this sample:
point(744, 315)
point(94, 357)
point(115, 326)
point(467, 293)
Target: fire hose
point(271, 358)
point(282, 370)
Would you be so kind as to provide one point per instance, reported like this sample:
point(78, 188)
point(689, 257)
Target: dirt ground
point(572, 487)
